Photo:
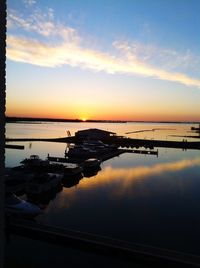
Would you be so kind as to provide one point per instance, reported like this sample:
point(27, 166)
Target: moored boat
point(91, 167)
point(43, 183)
point(17, 206)
point(91, 163)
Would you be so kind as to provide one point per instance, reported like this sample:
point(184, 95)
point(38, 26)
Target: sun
point(84, 119)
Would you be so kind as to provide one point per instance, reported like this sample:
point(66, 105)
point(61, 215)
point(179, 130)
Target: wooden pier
point(140, 254)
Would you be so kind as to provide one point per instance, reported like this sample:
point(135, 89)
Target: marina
point(115, 179)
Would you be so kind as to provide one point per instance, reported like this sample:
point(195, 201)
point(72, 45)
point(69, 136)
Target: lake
point(139, 198)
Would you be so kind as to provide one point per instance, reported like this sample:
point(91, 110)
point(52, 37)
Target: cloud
point(56, 44)
point(165, 58)
point(29, 2)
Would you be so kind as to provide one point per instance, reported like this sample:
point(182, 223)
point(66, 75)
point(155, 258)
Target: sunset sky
point(104, 59)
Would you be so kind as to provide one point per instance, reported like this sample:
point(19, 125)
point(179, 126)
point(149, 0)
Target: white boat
point(72, 170)
point(80, 151)
point(34, 160)
point(18, 206)
point(91, 163)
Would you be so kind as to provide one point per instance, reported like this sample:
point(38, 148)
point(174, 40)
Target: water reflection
point(130, 182)
point(126, 176)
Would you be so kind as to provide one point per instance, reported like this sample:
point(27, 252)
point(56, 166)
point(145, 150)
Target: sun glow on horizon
point(84, 119)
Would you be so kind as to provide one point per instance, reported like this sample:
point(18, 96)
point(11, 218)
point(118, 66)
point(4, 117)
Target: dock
point(136, 151)
point(123, 142)
point(151, 144)
point(102, 157)
point(13, 146)
point(138, 253)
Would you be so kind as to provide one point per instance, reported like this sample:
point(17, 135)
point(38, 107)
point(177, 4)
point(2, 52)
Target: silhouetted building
point(93, 134)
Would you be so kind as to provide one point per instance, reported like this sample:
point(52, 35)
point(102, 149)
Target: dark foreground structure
point(140, 255)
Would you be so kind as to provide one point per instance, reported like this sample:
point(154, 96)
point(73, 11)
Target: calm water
point(141, 198)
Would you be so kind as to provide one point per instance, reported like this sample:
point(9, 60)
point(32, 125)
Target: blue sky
point(131, 59)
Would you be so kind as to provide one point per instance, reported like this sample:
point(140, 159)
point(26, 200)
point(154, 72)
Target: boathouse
point(93, 134)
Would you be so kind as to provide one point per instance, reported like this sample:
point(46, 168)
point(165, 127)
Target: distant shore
point(39, 120)
point(28, 119)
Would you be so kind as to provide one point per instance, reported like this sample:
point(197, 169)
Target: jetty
point(123, 142)
point(128, 142)
point(14, 146)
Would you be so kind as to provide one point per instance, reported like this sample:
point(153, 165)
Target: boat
point(33, 160)
point(72, 175)
point(91, 163)
point(34, 163)
point(17, 206)
point(91, 172)
point(197, 129)
point(80, 151)
point(72, 170)
point(70, 182)
point(42, 183)
point(91, 167)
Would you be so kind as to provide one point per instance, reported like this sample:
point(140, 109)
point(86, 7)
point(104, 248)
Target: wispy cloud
point(154, 55)
point(29, 2)
point(56, 44)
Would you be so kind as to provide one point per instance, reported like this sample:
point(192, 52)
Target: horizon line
point(19, 118)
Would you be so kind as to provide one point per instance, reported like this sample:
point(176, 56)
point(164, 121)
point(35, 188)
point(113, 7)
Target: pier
point(148, 152)
point(140, 254)
point(101, 157)
point(150, 144)
point(13, 146)
point(124, 142)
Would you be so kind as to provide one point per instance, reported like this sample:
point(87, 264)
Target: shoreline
point(40, 120)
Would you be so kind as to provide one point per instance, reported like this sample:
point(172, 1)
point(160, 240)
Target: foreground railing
point(137, 253)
